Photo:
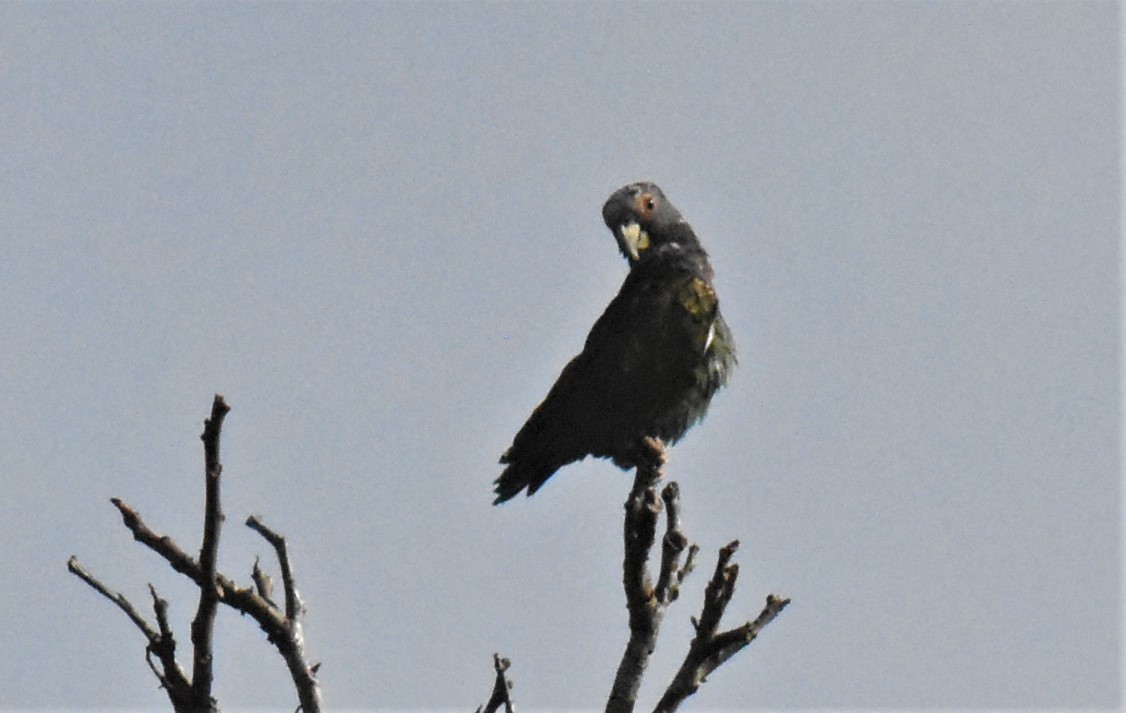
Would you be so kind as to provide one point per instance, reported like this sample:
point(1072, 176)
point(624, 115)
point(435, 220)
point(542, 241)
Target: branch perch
point(647, 603)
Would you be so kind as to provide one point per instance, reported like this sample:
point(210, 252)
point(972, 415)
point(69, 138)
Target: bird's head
point(641, 218)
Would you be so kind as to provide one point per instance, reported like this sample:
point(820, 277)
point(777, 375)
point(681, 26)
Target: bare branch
point(293, 606)
point(646, 603)
point(672, 545)
point(215, 588)
point(284, 632)
point(262, 583)
point(708, 649)
point(117, 598)
point(718, 592)
point(164, 546)
point(729, 643)
point(160, 641)
point(203, 626)
point(502, 689)
point(172, 677)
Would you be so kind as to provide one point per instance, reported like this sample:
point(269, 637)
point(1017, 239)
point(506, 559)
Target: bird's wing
point(569, 424)
point(603, 395)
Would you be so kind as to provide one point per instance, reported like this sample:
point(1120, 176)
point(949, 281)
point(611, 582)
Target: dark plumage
point(651, 362)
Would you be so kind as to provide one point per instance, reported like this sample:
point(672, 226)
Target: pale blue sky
point(375, 229)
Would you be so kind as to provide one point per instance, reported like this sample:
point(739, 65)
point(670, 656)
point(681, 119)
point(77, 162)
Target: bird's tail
point(521, 474)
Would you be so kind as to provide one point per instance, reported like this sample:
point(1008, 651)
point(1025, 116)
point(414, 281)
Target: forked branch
point(647, 603)
point(283, 628)
point(502, 688)
point(710, 649)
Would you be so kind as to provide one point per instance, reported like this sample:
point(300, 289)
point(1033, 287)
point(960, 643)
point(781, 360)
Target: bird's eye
point(647, 203)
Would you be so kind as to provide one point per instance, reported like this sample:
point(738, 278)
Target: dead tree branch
point(709, 649)
point(647, 603)
point(203, 626)
point(293, 606)
point(672, 545)
point(283, 629)
point(117, 598)
point(171, 677)
point(502, 689)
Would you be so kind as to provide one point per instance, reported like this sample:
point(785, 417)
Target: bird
point(651, 363)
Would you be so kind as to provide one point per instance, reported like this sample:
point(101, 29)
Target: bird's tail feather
point(521, 474)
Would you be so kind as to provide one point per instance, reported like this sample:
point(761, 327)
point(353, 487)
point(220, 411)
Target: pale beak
point(634, 239)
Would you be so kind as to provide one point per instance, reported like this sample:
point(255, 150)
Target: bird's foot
point(648, 457)
point(648, 453)
point(652, 453)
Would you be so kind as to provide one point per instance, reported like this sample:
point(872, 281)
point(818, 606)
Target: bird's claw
point(652, 453)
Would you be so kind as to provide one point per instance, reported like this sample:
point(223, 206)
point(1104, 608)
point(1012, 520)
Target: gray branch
point(117, 598)
point(502, 689)
point(710, 649)
point(645, 602)
point(283, 629)
point(203, 626)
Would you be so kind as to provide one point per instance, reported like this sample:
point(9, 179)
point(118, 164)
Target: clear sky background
point(375, 228)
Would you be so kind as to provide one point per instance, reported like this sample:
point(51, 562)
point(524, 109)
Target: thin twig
point(262, 583)
point(285, 633)
point(293, 605)
point(164, 546)
point(117, 598)
point(718, 592)
point(709, 649)
point(672, 545)
point(172, 677)
point(203, 626)
point(502, 689)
